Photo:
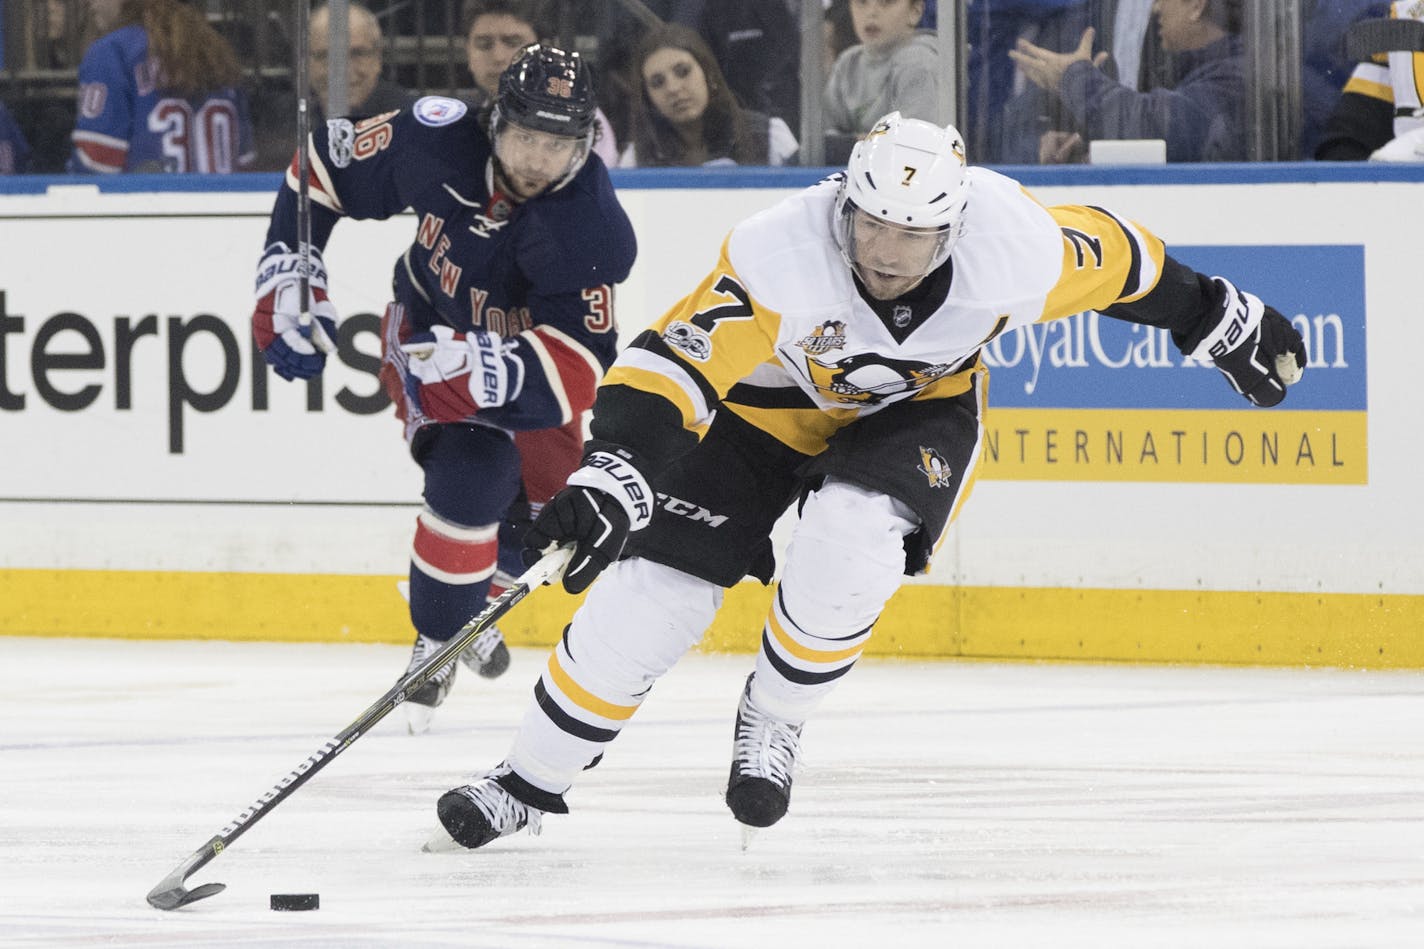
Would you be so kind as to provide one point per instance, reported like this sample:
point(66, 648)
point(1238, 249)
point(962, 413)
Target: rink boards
point(1130, 506)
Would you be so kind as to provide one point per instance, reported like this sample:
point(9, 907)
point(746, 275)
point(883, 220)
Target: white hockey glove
point(606, 499)
point(1254, 346)
point(454, 375)
point(293, 350)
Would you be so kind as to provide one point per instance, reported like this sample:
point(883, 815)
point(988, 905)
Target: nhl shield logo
point(933, 466)
point(902, 315)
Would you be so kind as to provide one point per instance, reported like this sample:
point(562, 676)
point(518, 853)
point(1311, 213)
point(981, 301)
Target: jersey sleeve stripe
point(570, 371)
point(691, 409)
point(319, 183)
point(560, 342)
point(699, 411)
point(101, 153)
point(770, 397)
point(652, 342)
point(1145, 268)
point(1372, 81)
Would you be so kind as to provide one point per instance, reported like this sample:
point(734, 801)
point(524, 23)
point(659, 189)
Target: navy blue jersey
point(128, 122)
point(540, 274)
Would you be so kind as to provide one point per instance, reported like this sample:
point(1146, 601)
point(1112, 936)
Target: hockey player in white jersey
point(831, 359)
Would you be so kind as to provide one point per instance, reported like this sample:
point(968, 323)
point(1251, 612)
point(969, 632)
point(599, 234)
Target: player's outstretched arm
point(1254, 346)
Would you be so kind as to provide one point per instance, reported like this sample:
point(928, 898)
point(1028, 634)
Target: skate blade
point(418, 718)
point(748, 835)
point(442, 842)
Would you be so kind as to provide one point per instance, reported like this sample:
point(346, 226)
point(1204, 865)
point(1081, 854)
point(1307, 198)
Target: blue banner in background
point(1091, 361)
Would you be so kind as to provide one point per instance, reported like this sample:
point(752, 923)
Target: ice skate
point(487, 654)
point(487, 809)
point(764, 752)
point(421, 704)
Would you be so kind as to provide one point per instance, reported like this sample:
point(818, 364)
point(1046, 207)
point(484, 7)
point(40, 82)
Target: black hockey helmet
point(549, 90)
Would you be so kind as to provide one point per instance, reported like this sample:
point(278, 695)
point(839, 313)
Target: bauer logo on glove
point(451, 375)
point(1254, 346)
point(296, 348)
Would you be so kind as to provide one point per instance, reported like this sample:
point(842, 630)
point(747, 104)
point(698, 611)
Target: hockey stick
point(1365, 38)
point(170, 893)
point(304, 319)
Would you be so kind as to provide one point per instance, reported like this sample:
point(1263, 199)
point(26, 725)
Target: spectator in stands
point(1380, 115)
point(894, 67)
point(367, 93)
point(159, 92)
point(687, 115)
point(757, 45)
point(838, 31)
point(14, 150)
point(1200, 116)
point(495, 32)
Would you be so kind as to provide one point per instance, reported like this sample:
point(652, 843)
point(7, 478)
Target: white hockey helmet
point(910, 174)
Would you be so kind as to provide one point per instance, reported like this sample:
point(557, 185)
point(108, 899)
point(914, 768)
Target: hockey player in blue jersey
point(519, 243)
point(159, 93)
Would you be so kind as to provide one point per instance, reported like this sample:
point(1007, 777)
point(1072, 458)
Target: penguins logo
point(824, 338)
point(933, 466)
point(869, 378)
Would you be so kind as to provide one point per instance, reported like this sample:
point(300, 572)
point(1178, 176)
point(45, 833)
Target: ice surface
point(940, 804)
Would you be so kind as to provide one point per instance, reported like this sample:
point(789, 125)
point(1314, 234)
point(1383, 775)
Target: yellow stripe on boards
point(1375, 631)
point(583, 698)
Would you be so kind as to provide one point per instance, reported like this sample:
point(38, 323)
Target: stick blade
point(170, 898)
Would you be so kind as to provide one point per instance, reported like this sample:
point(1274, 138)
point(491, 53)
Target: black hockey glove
point(606, 498)
point(1254, 346)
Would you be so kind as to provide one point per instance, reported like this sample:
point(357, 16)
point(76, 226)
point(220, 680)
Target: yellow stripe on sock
point(583, 698)
point(806, 652)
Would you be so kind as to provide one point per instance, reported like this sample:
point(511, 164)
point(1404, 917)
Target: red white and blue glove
point(294, 351)
point(1255, 347)
point(451, 375)
point(606, 499)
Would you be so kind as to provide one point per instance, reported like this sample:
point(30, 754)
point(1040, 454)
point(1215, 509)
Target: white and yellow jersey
point(779, 334)
point(1396, 79)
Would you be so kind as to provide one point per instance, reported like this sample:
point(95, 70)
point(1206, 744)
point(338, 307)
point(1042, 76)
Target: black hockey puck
point(296, 901)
